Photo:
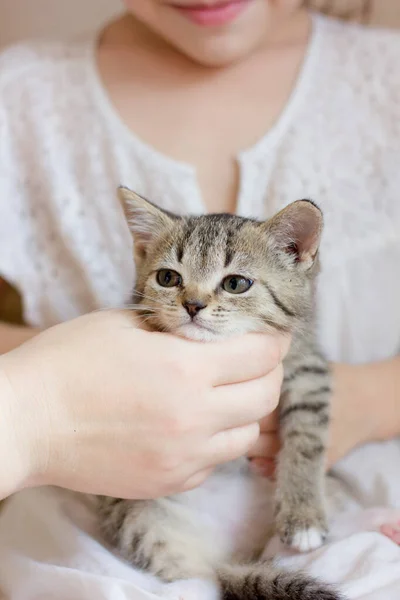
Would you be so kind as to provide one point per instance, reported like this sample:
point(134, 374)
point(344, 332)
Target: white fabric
point(49, 547)
point(63, 242)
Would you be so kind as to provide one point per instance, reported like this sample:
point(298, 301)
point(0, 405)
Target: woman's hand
point(365, 408)
point(263, 453)
point(101, 406)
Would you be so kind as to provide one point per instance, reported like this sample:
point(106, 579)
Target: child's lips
point(216, 14)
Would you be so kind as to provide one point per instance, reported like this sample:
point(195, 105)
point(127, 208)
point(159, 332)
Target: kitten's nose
point(193, 307)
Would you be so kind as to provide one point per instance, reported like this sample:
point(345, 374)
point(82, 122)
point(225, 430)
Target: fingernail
point(263, 467)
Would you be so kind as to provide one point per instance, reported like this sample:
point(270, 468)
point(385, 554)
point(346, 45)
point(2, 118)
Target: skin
point(215, 46)
point(153, 53)
point(57, 427)
point(12, 336)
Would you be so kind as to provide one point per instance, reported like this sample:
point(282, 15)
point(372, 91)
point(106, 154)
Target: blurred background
point(31, 18)
point(27, 18)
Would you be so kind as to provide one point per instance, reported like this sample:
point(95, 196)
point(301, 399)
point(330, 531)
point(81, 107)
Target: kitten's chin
point(194, 331)
point(197, 333)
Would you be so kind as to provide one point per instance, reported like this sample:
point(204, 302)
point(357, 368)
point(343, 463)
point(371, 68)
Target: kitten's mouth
point(197, 331)
point(200, 325)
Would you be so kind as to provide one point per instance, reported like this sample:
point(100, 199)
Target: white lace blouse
point(64, 150)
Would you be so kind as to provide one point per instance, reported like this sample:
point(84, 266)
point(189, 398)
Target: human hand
point(105, 407)
point(264, 452)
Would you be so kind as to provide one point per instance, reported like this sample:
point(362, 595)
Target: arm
point(12, 336)
point(14, 471)
point(366, 405)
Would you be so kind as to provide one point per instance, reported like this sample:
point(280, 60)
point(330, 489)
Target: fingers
point(245, 358)
point(267, 446)
point(245, 403)
point(265, 467)
point(263, 454)
point(197, 479)
point(231, 444)
point(270, 423)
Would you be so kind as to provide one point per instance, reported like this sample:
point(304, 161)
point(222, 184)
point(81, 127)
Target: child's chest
point(203, 117)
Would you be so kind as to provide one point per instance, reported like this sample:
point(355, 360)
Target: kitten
point(206, 278)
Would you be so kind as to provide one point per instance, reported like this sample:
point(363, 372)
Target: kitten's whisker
point(145, 296)
point(144, 307)
point(155, 302)
point(138, 307)
point(145, 319)
point(104, 308)
point(264, 325)
point(130, 307)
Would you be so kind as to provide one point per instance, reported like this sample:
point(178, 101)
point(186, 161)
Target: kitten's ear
point(297, 231)
point(145, 220)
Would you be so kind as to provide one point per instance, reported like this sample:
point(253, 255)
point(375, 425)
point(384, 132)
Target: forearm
point(365, 405)
point(13, 471)
point(12, 336)
point(382, 385)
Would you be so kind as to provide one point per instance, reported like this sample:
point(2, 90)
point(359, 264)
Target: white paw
point(190, 589)
point(308, 539)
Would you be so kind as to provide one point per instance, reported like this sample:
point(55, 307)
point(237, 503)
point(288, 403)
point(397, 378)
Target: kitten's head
point(215, 276)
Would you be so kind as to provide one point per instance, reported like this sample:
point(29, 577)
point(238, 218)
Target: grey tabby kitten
point(206, 278)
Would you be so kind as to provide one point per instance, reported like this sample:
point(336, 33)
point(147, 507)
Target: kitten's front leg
point(304, 418)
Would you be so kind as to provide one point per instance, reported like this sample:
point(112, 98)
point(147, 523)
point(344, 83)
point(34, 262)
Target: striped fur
point(166, 536)
point(265, 581)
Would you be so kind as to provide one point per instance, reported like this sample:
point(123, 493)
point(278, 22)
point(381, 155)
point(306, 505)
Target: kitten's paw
point(306, 540)
point(303, 529)
point(190, 589)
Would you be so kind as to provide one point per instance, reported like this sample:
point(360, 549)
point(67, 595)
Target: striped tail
point(265, 582)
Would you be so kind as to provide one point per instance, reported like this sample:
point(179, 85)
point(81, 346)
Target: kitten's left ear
point(297, 231)
point(145, 220)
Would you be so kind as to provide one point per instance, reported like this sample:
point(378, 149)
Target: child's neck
point(208, 115)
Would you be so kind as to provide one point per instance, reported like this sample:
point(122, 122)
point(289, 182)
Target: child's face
point(213, 32)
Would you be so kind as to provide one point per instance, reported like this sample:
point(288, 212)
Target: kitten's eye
point(235, 284)
point(168, 278)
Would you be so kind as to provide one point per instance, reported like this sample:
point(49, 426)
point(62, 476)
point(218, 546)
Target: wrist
point(22, 439)
point(14, 471)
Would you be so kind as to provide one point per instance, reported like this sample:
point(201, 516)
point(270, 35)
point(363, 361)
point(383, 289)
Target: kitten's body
point(228, 518)
point(187, 282)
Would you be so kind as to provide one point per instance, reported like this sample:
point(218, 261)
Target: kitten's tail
point(266, 582)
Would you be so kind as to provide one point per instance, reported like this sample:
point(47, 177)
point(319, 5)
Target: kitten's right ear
point(145, 220)
point(297, 231)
